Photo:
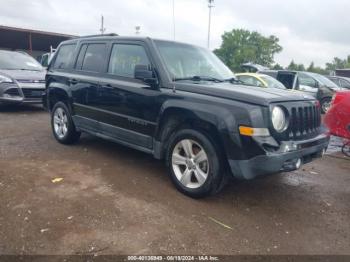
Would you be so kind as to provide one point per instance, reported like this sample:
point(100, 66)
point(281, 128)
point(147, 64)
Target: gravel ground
point(108, 199)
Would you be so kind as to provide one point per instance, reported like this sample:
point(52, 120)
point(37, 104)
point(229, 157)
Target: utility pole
point(102, 29)
point(210, 5)
point(174, 19)
point(137, 28)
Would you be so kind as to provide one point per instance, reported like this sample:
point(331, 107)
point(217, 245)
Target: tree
point(292, 66)
point(337, 63)
point(316, 69)
point(277, 67)
point(301, 67)
point(241, 46)
point(311, 67)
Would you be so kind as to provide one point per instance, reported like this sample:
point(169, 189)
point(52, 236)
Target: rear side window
point(306, 80)
point(95, 57)
point(64, 56)
point(344, 83)
point(125, 57)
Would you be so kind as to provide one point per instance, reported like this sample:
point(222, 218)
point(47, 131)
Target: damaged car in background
point(22, 79)
point(313, 84)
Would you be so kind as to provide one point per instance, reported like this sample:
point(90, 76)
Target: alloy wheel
point(60, 122)
point(190, 163)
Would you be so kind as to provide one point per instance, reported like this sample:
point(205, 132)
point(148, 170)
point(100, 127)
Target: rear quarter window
point(64, 56)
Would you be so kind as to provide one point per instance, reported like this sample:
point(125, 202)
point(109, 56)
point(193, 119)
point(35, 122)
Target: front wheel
point(326, 104)
point(194, 164)
point(346, 149)
point(62, 125)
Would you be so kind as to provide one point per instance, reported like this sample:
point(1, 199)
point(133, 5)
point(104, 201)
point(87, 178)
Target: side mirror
point(146, 74)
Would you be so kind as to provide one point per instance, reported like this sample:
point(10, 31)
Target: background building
point(34, 42)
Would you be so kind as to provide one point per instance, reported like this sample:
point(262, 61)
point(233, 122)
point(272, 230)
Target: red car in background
point(337, 118)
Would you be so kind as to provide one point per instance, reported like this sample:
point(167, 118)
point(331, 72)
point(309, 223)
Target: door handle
point(73, 81)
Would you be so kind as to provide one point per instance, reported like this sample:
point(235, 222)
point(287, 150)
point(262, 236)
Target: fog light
point(298, 163)
point(10, 96)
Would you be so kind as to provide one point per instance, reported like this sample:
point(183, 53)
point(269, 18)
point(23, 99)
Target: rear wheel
point(62, 125)
point(194, 164)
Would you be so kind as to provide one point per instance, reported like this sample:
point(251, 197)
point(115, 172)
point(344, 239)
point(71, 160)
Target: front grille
point(304, 121)
point(32, 92)
point(12, 92)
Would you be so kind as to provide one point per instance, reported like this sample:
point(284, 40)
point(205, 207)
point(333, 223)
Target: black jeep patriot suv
point(180, 103)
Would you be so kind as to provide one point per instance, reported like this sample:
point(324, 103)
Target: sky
point(309, 30)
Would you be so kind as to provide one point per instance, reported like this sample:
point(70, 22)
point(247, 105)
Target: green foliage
point(316, 69)
point(338, 63)
point(312, 68)
point(277, 67)
point(296, 67)
point(241, 46)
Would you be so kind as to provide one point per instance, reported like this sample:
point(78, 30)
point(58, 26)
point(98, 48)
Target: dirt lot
point(114, 200)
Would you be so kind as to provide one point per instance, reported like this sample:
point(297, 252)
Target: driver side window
point(125, 57)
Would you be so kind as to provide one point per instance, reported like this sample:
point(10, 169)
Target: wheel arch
point(214, 121)
point(57, 93)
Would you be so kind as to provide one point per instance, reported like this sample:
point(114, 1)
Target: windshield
point(185, 61)
point(18, 61)
point(324, 80)
point(272, 82)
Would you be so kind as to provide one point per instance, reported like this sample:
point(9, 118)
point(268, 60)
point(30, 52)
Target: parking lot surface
point(97, 197)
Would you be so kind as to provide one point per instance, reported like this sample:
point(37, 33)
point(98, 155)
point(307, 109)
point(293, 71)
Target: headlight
point(5, 79)
point(279, 120)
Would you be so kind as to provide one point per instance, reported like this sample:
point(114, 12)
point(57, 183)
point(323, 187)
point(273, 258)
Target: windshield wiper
point(199, 78)
point(27, 69)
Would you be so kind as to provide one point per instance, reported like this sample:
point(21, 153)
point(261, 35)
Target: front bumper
point(30, 94)
point(20, 100)
point(281, 160)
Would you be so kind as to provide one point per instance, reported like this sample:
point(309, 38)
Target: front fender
point(221, 118)
point(57, 91)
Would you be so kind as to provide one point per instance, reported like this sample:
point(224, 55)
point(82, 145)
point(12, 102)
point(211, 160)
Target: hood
point(25, 75)
point(248, 94)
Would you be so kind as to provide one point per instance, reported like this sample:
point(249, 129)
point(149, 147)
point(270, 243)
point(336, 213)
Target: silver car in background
point(22, 78)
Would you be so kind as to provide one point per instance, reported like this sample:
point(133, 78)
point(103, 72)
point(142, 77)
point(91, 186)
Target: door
point(90, 63)
point(130, 105)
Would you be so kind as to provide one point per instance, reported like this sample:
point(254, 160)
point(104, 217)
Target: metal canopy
point(32, 40)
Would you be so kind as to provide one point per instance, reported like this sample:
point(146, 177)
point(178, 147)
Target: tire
point(62, 125)
point(325, 104)
point(346, 149)
point(200, 174)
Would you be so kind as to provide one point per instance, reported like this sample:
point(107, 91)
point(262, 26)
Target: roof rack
point(111, 34)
